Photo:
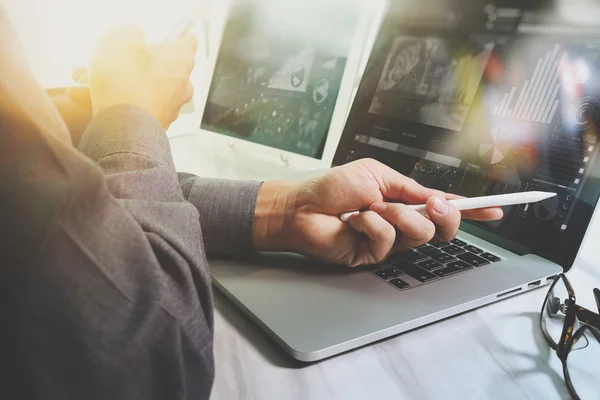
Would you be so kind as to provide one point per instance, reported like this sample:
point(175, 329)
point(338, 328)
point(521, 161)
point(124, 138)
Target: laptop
point(476, 101)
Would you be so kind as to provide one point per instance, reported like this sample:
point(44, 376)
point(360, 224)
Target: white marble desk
point(496, 352)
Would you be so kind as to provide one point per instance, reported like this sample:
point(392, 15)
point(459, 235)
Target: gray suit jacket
point(104, 285)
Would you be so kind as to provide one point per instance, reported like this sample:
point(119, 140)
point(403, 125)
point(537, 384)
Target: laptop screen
point(494, 101)
point(279, 72)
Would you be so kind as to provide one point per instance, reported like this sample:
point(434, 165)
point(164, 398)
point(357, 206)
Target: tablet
point(206, 25)
point(283, 77)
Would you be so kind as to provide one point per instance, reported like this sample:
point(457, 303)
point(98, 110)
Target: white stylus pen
point(480, 202)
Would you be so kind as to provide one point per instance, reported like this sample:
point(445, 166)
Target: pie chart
point(298, 75)
point(497, 148)
point(321, 91)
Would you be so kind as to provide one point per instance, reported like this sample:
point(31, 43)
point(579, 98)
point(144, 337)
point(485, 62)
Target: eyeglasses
point(574, 333)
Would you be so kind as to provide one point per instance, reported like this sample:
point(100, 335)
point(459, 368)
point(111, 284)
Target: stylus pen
point(182, 28)
point(474, 203)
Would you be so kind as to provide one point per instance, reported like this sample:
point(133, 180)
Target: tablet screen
point(278, 73)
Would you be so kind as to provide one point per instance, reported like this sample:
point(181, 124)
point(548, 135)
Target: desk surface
point(495, 352)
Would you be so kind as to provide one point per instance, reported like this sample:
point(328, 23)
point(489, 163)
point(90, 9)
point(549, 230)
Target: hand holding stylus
point(312, 208)
point(475, 203)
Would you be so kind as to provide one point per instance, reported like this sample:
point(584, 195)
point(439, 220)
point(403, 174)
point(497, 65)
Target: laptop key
point(472, 259)
point(380, 273)
point(413, 256)
point(392, 272)
point(388, 273)
point(430, 265)
point(453, 250)
point(430, 251)
point(399, 283)
point(418, 273)
point(452, 268)
point(444, 258)
point(490, 257)
point(458, 242)
point(439, 244)
point(473, 249)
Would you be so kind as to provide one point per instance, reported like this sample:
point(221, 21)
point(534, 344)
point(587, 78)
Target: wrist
point(276, 206)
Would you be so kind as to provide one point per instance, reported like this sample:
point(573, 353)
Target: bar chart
point(538, 98)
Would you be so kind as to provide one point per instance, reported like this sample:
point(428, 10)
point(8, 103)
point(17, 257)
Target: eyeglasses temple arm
point(597, 296)
point(587, 316)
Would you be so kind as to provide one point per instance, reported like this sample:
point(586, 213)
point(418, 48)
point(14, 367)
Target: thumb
point(80, 75)
point(81, 96)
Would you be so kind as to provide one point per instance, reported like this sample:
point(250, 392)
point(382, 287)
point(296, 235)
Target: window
point(58, 35)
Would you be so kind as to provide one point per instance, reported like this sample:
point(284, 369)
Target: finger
point(191, 40)
point(445, 217)
point(177, 56)
point(397, 187)
point(381, 236)
point(187, 44)
point(80, 95)
point(187, 96)
point(415, 230)
point(482, 214)
point(189, 92)
point(118, 41)
point(124, 37)
point(80, 75)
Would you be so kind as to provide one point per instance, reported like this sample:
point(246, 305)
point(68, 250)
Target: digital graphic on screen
point(512, 115)
point(273, 87)
point(430, 80)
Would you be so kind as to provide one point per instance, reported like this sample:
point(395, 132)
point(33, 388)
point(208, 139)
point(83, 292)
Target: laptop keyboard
point(432, 262)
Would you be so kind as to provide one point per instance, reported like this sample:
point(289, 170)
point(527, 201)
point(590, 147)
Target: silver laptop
point(478, 102)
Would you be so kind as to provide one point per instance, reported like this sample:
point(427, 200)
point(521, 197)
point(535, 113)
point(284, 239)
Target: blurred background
point(59, 35)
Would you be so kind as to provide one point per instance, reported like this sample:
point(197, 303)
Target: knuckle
point(370, 217)
point(368, 162)
point(426, 231)
point(387, 231)
point(400, 211)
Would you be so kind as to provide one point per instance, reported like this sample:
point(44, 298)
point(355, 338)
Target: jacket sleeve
point(104, 289)
point(226, 211)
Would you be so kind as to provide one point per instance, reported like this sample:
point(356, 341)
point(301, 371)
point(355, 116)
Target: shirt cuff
point(226, 211)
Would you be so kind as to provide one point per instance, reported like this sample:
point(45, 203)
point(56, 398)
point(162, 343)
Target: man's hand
point(124, 69)
point(304, 216)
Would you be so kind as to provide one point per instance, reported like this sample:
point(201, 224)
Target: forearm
point(102, 269)
point(240, 216)
point(134, 153)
